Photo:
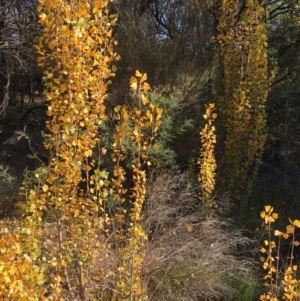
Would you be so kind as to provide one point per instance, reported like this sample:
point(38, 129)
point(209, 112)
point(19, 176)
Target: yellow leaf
point(63, 263)
point(138, 73)
point(133, 83)
point(263, 36)
point(263, 214)
point(296, 223)
point(144, 99)
point(296, 243)
point(96, 63)
point(146, 87)
point(277, 233)
point(268, 208)
point(67, 20)
point(88, 153)
point(6, 278)
point(269, 219)
point(43, 16)
point(289, 229)
point(285, 235)
point(63, 87)
point(117, 109)
point(275, 215)
point(144, 77)
point(135, 132)
point(45, 188)
point(262, 297)
point(159, 111)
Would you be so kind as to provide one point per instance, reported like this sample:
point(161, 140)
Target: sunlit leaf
point(289, 229)
point(159, 111)
point(268, 208)
point(144, 99)
point(262, 259)
point(144, 77)
point(43, 16)
point(285, 236)
point(146, 87)
point(263, 214)
point(138, 73)
point(45, 188)
point(133, 83)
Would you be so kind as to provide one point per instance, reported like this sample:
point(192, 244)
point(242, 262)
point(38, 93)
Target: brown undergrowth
point(192, 252)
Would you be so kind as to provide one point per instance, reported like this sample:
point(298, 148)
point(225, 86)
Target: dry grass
point(193, 253)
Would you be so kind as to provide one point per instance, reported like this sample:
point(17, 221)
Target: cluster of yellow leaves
point(75, 52)
point(137, 128)
point(22, 266)
point(207, 161)
point(271, 261)
point(21, 274)
point(243, 42)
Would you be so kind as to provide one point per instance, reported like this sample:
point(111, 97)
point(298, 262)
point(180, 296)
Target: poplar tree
point(242, 36)
point(75, 52)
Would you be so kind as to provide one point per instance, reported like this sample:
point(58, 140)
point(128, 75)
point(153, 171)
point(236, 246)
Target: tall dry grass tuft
point(192, 252)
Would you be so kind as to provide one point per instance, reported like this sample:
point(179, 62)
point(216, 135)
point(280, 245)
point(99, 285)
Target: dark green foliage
point(174, 124)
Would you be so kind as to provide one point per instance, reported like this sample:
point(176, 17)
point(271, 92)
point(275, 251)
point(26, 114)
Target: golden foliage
point(243, 43)
point(22, 274)
point(22, 269)
point(75, 52)
point(138, 128)
point(271, 257)
point(207, 162)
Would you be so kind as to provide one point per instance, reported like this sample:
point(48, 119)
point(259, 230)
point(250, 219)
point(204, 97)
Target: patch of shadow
point(14, 161)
